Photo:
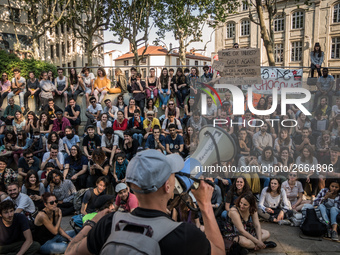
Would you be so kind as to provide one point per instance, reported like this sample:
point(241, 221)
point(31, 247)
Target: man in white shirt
point(54, 156)
point(111, 110)
point(22, 202)
point(93, 112)
point(211, 111)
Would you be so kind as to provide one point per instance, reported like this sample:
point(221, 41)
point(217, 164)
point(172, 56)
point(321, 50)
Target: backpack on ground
point(312, 223)
point(131, 234)
point(78, 199)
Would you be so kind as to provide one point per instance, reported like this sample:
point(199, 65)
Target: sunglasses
point(293, 175)
point(29, 157)
point(171, 104)
point(53, 202)
point(92, 102)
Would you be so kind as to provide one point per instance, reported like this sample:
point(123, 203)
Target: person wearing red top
point(120, 124)
point(60, 123)
point(125, 200)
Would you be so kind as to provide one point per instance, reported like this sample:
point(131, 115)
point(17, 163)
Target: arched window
point(230, 30)
point(245, 27)
point(336, 13)
point(297, 20)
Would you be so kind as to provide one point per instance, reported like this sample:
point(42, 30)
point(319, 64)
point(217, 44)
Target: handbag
point(16, 91)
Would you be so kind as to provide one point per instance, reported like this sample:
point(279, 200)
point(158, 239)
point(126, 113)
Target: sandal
point(270, 244)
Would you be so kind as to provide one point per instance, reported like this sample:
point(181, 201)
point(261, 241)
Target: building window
point(245, 27)
point(297, 20)
point(296, 51)
point(74, 63)
point(336, 13)
point(85, 47)
point(29, 18)
point(244, 6)
point(143, 61)
point(134, 61)
point(144, 73)
point(230, 30)
point(57, 46)
point(204, 63)
point(177, 62)
point(335, 54)
point(126, 62)
point(278, 52)
point(63, 49)
point(187, 62)
point(279, 23)
point(52, 52)
point(196, 63)
point(14, 14)
point(56, 29)
point(62, 28)
point(74, 45)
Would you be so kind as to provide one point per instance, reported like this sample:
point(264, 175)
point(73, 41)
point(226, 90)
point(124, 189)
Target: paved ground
point(287, 239)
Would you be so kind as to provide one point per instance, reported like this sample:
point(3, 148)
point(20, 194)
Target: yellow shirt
point(155, 121)
point(102, 83)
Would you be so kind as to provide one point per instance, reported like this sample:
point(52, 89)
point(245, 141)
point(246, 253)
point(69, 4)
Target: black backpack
point(312, 223)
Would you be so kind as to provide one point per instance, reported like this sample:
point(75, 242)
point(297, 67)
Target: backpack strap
point(319, 216)
point(155, 229)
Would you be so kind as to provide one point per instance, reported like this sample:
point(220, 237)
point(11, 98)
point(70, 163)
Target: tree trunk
point(35, 46)
point(182, 52)
point(89, 51)
point(268, 43)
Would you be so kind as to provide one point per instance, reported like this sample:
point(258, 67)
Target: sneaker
point(335, 236)
point(284, 222)
point(329, 233)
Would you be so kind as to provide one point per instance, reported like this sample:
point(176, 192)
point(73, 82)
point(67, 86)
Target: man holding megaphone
point(151, 176)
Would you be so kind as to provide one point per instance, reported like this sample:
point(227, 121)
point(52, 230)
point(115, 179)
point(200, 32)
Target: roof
point(160, 51)
point(151, 50)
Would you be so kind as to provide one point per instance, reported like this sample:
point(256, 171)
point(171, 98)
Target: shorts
point(87, 90)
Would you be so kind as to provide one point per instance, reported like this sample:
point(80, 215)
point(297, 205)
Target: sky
point(124, 47)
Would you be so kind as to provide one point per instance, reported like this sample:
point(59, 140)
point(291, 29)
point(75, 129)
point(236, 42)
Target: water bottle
point(151, 94)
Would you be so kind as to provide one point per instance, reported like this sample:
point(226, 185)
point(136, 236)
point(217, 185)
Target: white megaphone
point(215, 145)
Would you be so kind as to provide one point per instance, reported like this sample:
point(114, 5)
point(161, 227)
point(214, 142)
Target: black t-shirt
point(132, 150)
point(49, 111)
point(327, 160)
point(299, 140)
point(33, 85)
point(14, 233)
point(185, 239)
point(76, 109)
point(91, 143)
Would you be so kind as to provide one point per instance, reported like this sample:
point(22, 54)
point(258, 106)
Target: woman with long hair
point(99, 166)
point(23, 143)
point(121, 84)
point(302, 121)
point(76, 167)
point(316, 58)
point(190, 140)
point(172, 108)
point(244, 226)
point(45, 124)
point(164, 87)
point(268, 160)
point(244, 143)
point(32, 123)
point(285, 161)
point(181, 86)
point(53, 138)
point(151, 86)
point(34, 189)
point(274, 205)
point(283, 140)
point(182, 213)
point(86, 80)
point(130, 109)
point(101, 85)
point(75, 88)
point(150, 106)
point(120, 103)
point(5, 86)
point(306, 163)
point(189, 108)
point(50, 75)
point(239, 186)
point(48, 231)
point(19, 122)
point(103, 123)
point(120, 124)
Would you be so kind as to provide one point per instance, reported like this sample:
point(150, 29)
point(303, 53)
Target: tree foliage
point(131, 21)
point(186, 19)
point(87, 18)
point(9, 61)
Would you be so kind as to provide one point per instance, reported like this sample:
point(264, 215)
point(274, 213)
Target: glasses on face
point(292, 175)
point(4, 76)
point(92, 102)
point(53, 202)
point(29, 157)
point(171, 104)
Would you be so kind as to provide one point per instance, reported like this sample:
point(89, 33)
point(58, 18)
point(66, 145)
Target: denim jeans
point(138, 137)
point(21, 97)
point(57, 244)
point(164, 97)
point(326, 213)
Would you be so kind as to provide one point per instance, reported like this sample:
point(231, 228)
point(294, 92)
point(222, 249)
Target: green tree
point(88, 19)
point(43, 15)
point(186, 19)
point(131, 20)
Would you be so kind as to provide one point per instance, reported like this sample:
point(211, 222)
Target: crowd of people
point(46, 165)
